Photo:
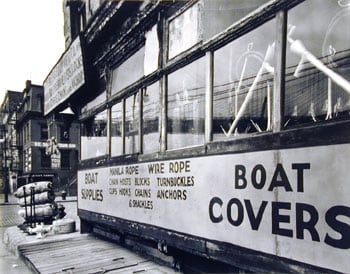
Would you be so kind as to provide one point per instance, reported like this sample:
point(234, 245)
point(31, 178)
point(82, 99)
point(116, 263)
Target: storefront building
point(200, 121)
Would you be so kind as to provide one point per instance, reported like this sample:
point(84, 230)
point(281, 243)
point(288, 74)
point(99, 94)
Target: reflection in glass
point(94, 136)
point(132, 121)
point(151, 51)
point(184, 31)
point(226, 13)
point(151, 116)
point(116, 130)
point(243, 82)
point(318, 62)
point(186, 106)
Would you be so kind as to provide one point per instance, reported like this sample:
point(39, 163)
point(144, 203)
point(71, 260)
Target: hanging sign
point(65, 78)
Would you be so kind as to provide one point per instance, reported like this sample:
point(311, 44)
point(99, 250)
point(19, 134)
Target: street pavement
point(9, 262)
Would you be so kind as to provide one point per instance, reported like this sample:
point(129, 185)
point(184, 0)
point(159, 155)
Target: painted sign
point(65, 78)
point(56, 160)
point(291, 203)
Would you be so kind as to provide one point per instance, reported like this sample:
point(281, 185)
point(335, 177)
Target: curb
point(65, 201)
point(58, 201)
point(10, 203)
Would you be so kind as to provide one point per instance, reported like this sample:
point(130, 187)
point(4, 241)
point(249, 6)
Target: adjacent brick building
point(28, 140)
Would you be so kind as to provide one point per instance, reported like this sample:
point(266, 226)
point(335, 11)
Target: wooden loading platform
point(86, 254)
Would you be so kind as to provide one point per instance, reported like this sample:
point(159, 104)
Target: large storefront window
point(117, 129)
point(318, 62)
point(243, 82)
point(186, 106)
point(132, 122)
point(94, 136)
point(151, 118)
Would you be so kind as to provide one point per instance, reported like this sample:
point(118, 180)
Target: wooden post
point(279, 74)
point(140, 116)
point(163, 129)
point(209, 96)
point(123, 126)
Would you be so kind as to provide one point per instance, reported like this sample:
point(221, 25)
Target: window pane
point(44, 132)
point(151, 51)
point(65, 162)
point(132, 122)
point(129, 71)
point(226, 13)
point(116, 130)
point(318, 62)
point(243, 81)
point(45, 159)
point(186, 106)
point(151, 115)
point(94, 136)
point(184, 31)
point(64, 134)
point(97, 101)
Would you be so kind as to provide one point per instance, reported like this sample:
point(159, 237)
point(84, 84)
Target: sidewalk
point(12, 200)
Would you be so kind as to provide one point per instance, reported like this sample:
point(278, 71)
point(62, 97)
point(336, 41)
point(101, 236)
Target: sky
point(31, 41)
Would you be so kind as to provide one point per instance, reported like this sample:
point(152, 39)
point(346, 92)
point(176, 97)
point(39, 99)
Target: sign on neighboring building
point(53, 150)
point(65, 78)
point(56, 160)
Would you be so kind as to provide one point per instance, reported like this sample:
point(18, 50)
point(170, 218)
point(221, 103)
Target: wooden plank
point(74, 256)
point(143, 268)
point(109, 265)
point(94, 261)
point(74, 260)
point(86, 255)
point(92, 248)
